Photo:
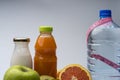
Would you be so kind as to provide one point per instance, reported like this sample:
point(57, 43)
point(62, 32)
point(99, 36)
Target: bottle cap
point(105, 13)
point(46, 29)
point(21, 39)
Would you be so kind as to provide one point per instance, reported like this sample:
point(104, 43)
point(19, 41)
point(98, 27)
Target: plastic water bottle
point(103, 44)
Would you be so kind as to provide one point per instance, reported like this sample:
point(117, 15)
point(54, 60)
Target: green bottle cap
point(45, 28)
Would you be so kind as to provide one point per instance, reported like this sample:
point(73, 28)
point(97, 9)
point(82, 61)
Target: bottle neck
point(21, 44)
point(46, 33)
point(103, 17)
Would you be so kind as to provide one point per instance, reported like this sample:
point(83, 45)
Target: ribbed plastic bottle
point(103, 48)
point(45, 59)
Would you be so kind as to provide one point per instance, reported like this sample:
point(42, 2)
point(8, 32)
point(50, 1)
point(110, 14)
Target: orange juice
point(45, 60)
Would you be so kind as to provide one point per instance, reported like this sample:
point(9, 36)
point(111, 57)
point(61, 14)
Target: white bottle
point(21, 54)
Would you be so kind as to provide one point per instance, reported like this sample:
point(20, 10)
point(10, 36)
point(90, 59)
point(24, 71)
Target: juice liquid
point(45, 60)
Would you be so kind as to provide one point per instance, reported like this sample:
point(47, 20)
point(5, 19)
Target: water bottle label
point(105, 60)
point(97, 24)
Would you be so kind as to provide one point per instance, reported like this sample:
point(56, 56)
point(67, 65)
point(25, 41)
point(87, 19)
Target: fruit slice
point(74, 72)
point(58, 73)
point(46, 77)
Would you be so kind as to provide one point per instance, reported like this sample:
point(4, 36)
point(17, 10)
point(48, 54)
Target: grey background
point(69, 18)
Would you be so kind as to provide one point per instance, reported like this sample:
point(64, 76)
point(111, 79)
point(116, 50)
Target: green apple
point(19, 72)
point(47, 77)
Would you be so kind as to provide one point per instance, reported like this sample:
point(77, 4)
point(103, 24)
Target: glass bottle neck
point(21, 44)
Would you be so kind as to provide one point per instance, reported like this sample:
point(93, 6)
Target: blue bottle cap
point(105, 13)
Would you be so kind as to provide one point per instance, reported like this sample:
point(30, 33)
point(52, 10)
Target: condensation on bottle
point(103, 48)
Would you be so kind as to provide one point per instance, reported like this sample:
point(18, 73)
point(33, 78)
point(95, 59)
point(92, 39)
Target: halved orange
point(74, 72)
point(58, 73)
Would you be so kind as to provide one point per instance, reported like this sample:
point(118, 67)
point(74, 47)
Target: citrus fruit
point(58, 73)
point(74, 72)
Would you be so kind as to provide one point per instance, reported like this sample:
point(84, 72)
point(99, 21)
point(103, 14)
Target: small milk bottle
point(21, 54)
point(45, 60)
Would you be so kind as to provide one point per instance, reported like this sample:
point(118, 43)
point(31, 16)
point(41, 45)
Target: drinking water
point(103, 43)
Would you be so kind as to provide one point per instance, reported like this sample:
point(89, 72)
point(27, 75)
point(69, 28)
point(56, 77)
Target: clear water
point(104, 41)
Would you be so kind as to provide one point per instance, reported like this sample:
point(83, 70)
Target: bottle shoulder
point(109, 30)
point(109, 26)
point(45, 41)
